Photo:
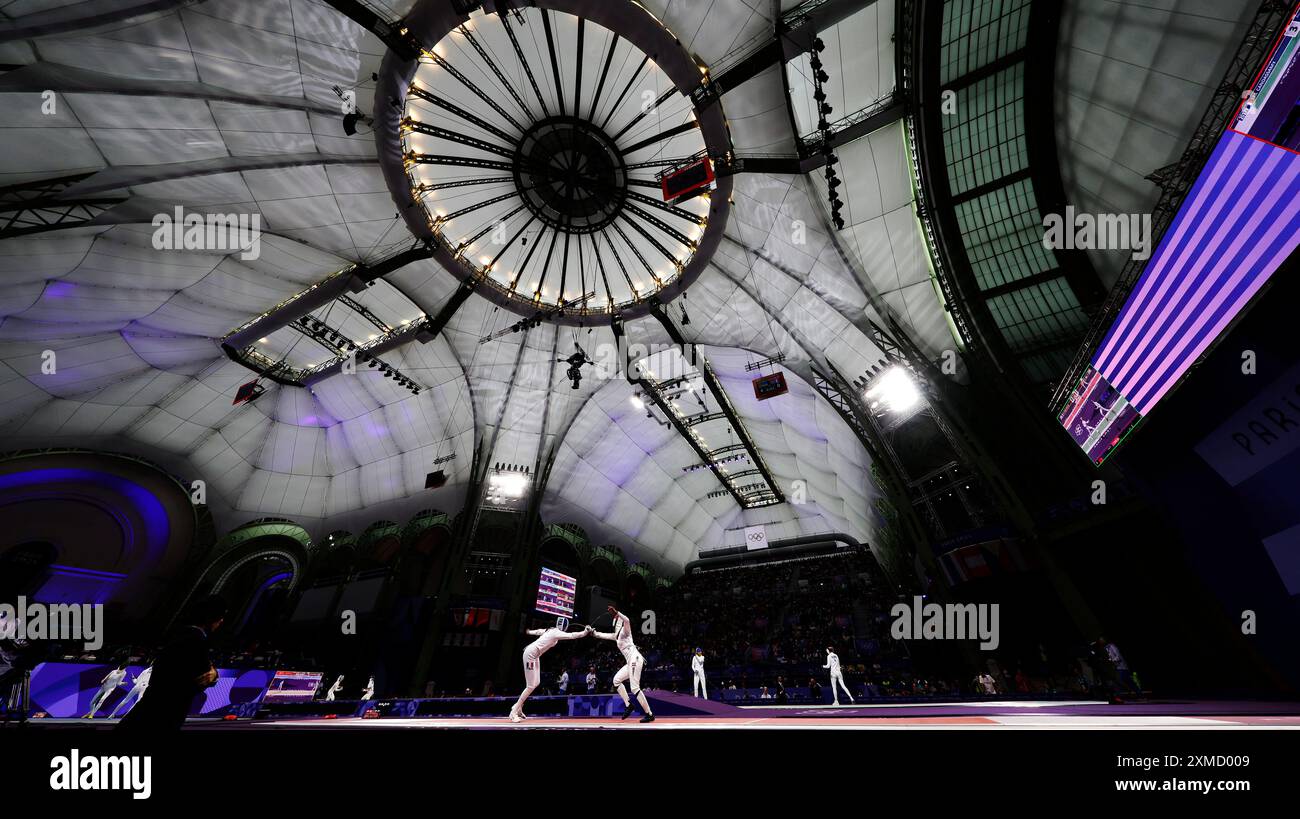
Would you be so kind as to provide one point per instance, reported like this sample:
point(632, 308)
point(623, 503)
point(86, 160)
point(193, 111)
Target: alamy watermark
point(952, 621)
point(209, 231)
point(75, 772)
point(1098, 231)
point(63, 622)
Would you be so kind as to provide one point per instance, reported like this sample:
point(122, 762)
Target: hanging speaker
point(435, 479)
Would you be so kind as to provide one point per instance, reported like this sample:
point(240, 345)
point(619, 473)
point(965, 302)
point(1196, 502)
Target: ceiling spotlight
point(511, 485)
point(894, 390)
point(637, 402)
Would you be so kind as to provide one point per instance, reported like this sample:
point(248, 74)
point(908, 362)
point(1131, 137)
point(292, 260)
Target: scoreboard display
point(770, 386)
point(293, 686)
point(556, 593)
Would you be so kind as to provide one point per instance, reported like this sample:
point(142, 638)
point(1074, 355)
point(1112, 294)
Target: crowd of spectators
point(762, 625)
point(765, 628)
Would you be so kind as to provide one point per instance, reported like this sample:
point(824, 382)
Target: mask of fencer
point(562, 623)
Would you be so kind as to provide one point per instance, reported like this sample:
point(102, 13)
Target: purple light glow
point(58, 483)
point(1240, 221)
point(57, 289)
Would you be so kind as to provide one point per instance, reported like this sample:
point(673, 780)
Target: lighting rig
point(331, 339)
point(507, 484)
point(824, 110)
point(716, 462)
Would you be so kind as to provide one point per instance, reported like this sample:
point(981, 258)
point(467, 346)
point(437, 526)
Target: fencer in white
point(334, 689)
point(631, 671)
point(111, 680)
point(697, 671)
point(369, 690)
point(138, 688)
point(546, 640)
point(833, 663)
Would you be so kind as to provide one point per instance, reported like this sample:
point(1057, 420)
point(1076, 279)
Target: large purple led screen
point(1237, 225)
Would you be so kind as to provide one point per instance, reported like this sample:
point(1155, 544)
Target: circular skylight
point(535, 143)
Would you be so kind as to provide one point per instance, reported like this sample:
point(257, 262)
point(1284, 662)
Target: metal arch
point(263, 527)
point(249, 558)
point(422, 522)
point(43, 205)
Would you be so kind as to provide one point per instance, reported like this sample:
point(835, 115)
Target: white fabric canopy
point(136, 330)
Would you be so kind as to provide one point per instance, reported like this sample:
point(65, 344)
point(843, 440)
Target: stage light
point(637, 402)
point(894, 390)
point(507, 485)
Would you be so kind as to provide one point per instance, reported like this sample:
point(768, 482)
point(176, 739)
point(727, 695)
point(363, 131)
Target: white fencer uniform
point(833, 663)
point(369, 690)
point(113, 679)
point(334, 689)
point(697, 670)
point(631, 670)
point(546, 640)
point(138, 688)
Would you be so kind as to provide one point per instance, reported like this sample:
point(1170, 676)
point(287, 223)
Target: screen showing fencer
point(288, 686)
point(1238, 224)
point(556, 593)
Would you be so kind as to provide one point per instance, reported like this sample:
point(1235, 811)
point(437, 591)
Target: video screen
point(293, 686)
point(66, 690)
point(1097, 416)
point(556, 593)
point(1272, 110)
point(1238, 224)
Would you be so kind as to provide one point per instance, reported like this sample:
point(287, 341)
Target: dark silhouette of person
point(182, 671)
